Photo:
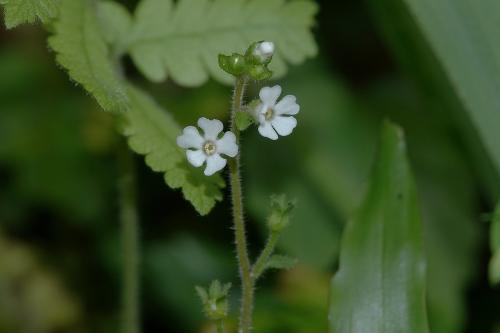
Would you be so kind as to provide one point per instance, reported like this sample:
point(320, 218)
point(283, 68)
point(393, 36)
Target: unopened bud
point(265, 51)
point(260, 53)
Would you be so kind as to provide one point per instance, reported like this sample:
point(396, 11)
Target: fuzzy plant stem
point(247, 283)
point(130, 243)
point(260, 265)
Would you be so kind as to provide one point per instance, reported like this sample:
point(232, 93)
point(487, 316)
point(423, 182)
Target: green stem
point(260, 265)
point(220, 326)
point(130, 242)
point(247, 283)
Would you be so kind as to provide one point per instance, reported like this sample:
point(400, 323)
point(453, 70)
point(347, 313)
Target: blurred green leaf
point(80, 49)
point(494, 268)
point(173, 268)
point(380, 284)
point(464, 36)
point(45, 149)
point(116, 22)
point(448, 199)
point(152, 132)
point(183, 40)
point(28, 11)
point(431, 117)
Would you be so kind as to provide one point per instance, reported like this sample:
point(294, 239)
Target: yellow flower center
point(269, 114)
point(209, 148)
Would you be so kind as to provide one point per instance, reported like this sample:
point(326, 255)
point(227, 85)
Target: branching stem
point(247, 283)
point(260, 265)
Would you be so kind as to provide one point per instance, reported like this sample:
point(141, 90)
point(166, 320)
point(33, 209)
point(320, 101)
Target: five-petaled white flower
point(208, 147)
point(274, 116)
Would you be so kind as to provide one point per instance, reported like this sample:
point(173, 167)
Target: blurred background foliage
point(59, 237)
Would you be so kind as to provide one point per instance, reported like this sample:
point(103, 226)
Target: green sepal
point(215, 300)
point(242, 120)
point(259, 72)
point(246, 65)
point(234, 64)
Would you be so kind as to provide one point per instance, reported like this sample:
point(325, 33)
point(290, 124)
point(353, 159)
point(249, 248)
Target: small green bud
point(215, 302)
point(234, 64)
point(259, 72)
point(281, 208)
point(243, 120)
point(253, 64)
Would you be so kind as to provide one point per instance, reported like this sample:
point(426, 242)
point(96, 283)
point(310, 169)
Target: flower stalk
point(260, 265)
point(247, 282)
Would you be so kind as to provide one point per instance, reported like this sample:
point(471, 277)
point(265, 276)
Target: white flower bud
point(264, 50)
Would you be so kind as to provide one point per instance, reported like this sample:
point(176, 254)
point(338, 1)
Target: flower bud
point(215, 300)
point(281, 208)
point(260, 53)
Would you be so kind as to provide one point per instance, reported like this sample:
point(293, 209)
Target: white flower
point(274, 116)
point(208, 147)
point(264, 50)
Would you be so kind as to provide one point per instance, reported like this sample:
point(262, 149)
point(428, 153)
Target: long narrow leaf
point(380, 285)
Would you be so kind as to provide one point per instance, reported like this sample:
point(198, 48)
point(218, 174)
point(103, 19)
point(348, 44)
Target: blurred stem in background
point(130, 241)
point(220, 326)
point(239, 223)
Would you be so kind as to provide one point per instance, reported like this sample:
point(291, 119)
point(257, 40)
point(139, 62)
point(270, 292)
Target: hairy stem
point(260, 265)
point(130, 242)
point(238, 220)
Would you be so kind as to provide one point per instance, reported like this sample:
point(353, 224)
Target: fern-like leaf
point(152, 132)
point(18, 12)
point(183, 40)
point(81, 49)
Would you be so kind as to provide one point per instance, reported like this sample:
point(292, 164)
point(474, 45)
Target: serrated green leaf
point(183, 41)
point(277, 261)
point(28, 11)
point(80, 48)
point(152, 132)
point(116, 23)
point(380, 285)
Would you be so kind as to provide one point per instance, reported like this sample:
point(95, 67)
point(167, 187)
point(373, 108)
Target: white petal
point(196, 157)
point(227, 145)
point(267, 48)
point(287, 105)
point(284, 125)
point(264, 50)
point(269, 95)
point(214, 164)
point(266, 130)
point(211, 128)
point(190, 138)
